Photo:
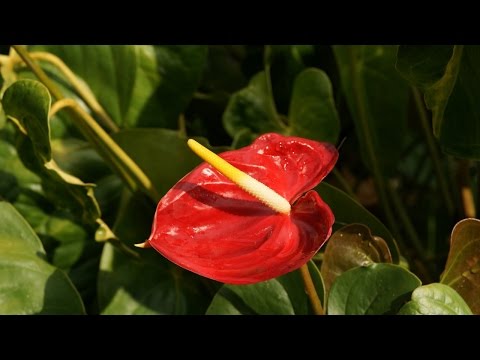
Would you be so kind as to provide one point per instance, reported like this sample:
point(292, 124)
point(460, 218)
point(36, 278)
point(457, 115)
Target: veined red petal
point(210, 226)
point(289, 165)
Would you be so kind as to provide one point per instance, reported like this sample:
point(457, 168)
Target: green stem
point(311, 291)
point(405, 220)
point(366, 135)
point(268, 79)
point(83, 91)
point(434, 153)
point(105, 145)
point(346, 187)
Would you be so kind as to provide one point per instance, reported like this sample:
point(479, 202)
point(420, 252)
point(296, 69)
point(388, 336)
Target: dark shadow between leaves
point(399, 302)
point(236, 301)
point(8, 186)
point(59, 297)
point(233, 206)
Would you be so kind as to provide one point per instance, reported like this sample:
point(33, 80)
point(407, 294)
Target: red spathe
point(210, 226)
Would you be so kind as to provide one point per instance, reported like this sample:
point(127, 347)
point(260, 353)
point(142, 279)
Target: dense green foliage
point(80, 178)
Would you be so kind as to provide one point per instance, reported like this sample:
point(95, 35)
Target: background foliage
point(405, 120)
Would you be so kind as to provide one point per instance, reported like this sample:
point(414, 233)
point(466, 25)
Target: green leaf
point(150, 284)
point(312, 111)
point(138, 85)
point(28, 284)
point(284, 295)
point(351, 246)
point(78, 158)
point(372, 290)
point(377, 97)
point(250, 108)
point(284, 63)
point(69, 246)
point(15, 178)
point(435, 299)
point(27, 103)
point(423, 65)
point(348, 211)
point(462, 271)
point(164, 155)
point(449, 77)
point(224, 68)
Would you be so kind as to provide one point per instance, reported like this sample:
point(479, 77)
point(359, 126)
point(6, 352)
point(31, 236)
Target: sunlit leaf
point(27, 103)
point(371, 290)
point(28, 284)
point(138, 85)
point(435, 299)
point(462, 271)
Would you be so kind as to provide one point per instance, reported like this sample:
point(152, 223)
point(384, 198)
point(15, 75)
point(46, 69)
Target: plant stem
point(105, 145)
point(83, 91)
point(343, 182)
point(268, 79)
point(407, 224)
point(432, 147)
point(61, 104)
point(367, 136)
point(465, 189)
point(311, 291)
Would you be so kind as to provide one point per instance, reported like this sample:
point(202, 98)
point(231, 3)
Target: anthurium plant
point(285, 180)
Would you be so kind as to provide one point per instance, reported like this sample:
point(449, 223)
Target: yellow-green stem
point(83, 91)
point(105, 145)
point(311, 291)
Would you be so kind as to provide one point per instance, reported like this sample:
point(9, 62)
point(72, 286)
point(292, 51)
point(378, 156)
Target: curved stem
point(406, 222)
point(61, 104)
point(105, 145)
point(427, 131)
point(366, 133)
point(311, 291)
point(268, 79)
point(83, 91)
point(343, 182)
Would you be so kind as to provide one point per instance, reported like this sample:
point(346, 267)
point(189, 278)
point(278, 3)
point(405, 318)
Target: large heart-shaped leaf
point(252, 108)
point(450, 79)
point(284, 295)
point(348, 211)
point(462, 271)
point(28, 284)
point(374, 289)
point(284, 63)
point(351, 246)
point(435, 299)
point(138, 85)
point(312, 112)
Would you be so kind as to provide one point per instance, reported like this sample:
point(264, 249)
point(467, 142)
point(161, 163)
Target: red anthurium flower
point(209, 225)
